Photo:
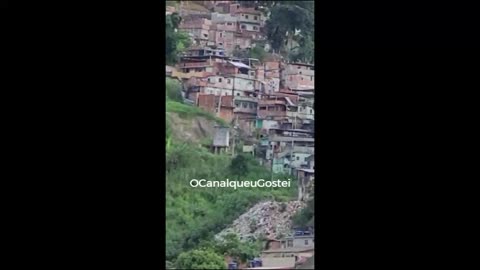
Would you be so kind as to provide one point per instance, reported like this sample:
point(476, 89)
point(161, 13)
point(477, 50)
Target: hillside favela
point(240, 134)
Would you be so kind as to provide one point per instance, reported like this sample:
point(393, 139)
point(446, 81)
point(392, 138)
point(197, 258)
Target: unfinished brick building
point(199, 28)
point(298, 77)
point(221, 106)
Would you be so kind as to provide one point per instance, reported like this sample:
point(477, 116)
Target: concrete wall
point(300, 242)
point(299, 159)
point(268, 124)
point(306, 112)
point(218, 91)
point(272, 85)
point(242, 84)
point(250, 18)
point(243, 42)
point(249, 27)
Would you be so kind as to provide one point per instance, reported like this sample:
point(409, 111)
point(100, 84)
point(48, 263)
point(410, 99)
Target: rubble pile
point(270, 220)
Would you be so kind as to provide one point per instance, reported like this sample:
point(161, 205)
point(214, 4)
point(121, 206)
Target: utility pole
point(233, 142)
point(219, 105)
point(271, 166)
point(291, 150)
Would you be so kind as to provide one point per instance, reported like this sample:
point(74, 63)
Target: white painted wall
point(299, 159)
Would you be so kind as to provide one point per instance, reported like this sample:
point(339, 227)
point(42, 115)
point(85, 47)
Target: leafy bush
point(305, 216)
point(200, 259)
point(173, 90)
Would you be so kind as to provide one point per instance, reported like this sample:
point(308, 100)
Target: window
point(311, 111)
point(219, 79)
point(228, 81)
point(187, 70)
point(255, 28)
point(244, 105)
point(237, 104)
point(298, 158)
point(243, 26)
point(229, 23)
point(299, 72)
point(301, 78)
point(238, 94)
point(306, 242)
point(290, 243)
point(246, 16)
point(221, 34)
point(205, 35)
point(255, 17)
point(220, 44)
point(208, 79)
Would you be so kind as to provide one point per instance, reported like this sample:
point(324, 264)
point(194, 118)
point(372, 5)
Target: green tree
point(175, 41)
point(233, 247)
point(305, 216)
point(258, 53)
point(286, 18)
point(173, 90)
point(239, 165)
point(200, 259)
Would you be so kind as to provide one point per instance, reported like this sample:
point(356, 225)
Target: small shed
point(221, 139)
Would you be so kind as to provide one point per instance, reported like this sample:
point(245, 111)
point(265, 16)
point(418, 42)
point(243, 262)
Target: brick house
point(297, 76)
point(221, 106)
point(199, 28)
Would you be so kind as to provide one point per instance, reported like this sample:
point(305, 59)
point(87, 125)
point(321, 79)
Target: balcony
point(195, 65)
point(246, 99)
point(265, 113)
point(278, 138)
point(306, 116)
point(265, 102)
point(245, 110)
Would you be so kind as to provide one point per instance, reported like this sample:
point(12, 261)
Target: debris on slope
point(270, 220)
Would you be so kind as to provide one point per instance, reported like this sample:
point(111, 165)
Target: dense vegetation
point(292, 21)
point(306, 216)
point(175, 41)
point(195, 215)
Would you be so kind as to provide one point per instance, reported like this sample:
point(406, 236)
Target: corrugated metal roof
point(289, 101)
point(239, 65)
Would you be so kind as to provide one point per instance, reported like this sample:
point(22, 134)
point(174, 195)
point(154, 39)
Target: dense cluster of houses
point(228, 27)
point(293, 252)
point(270, 103)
